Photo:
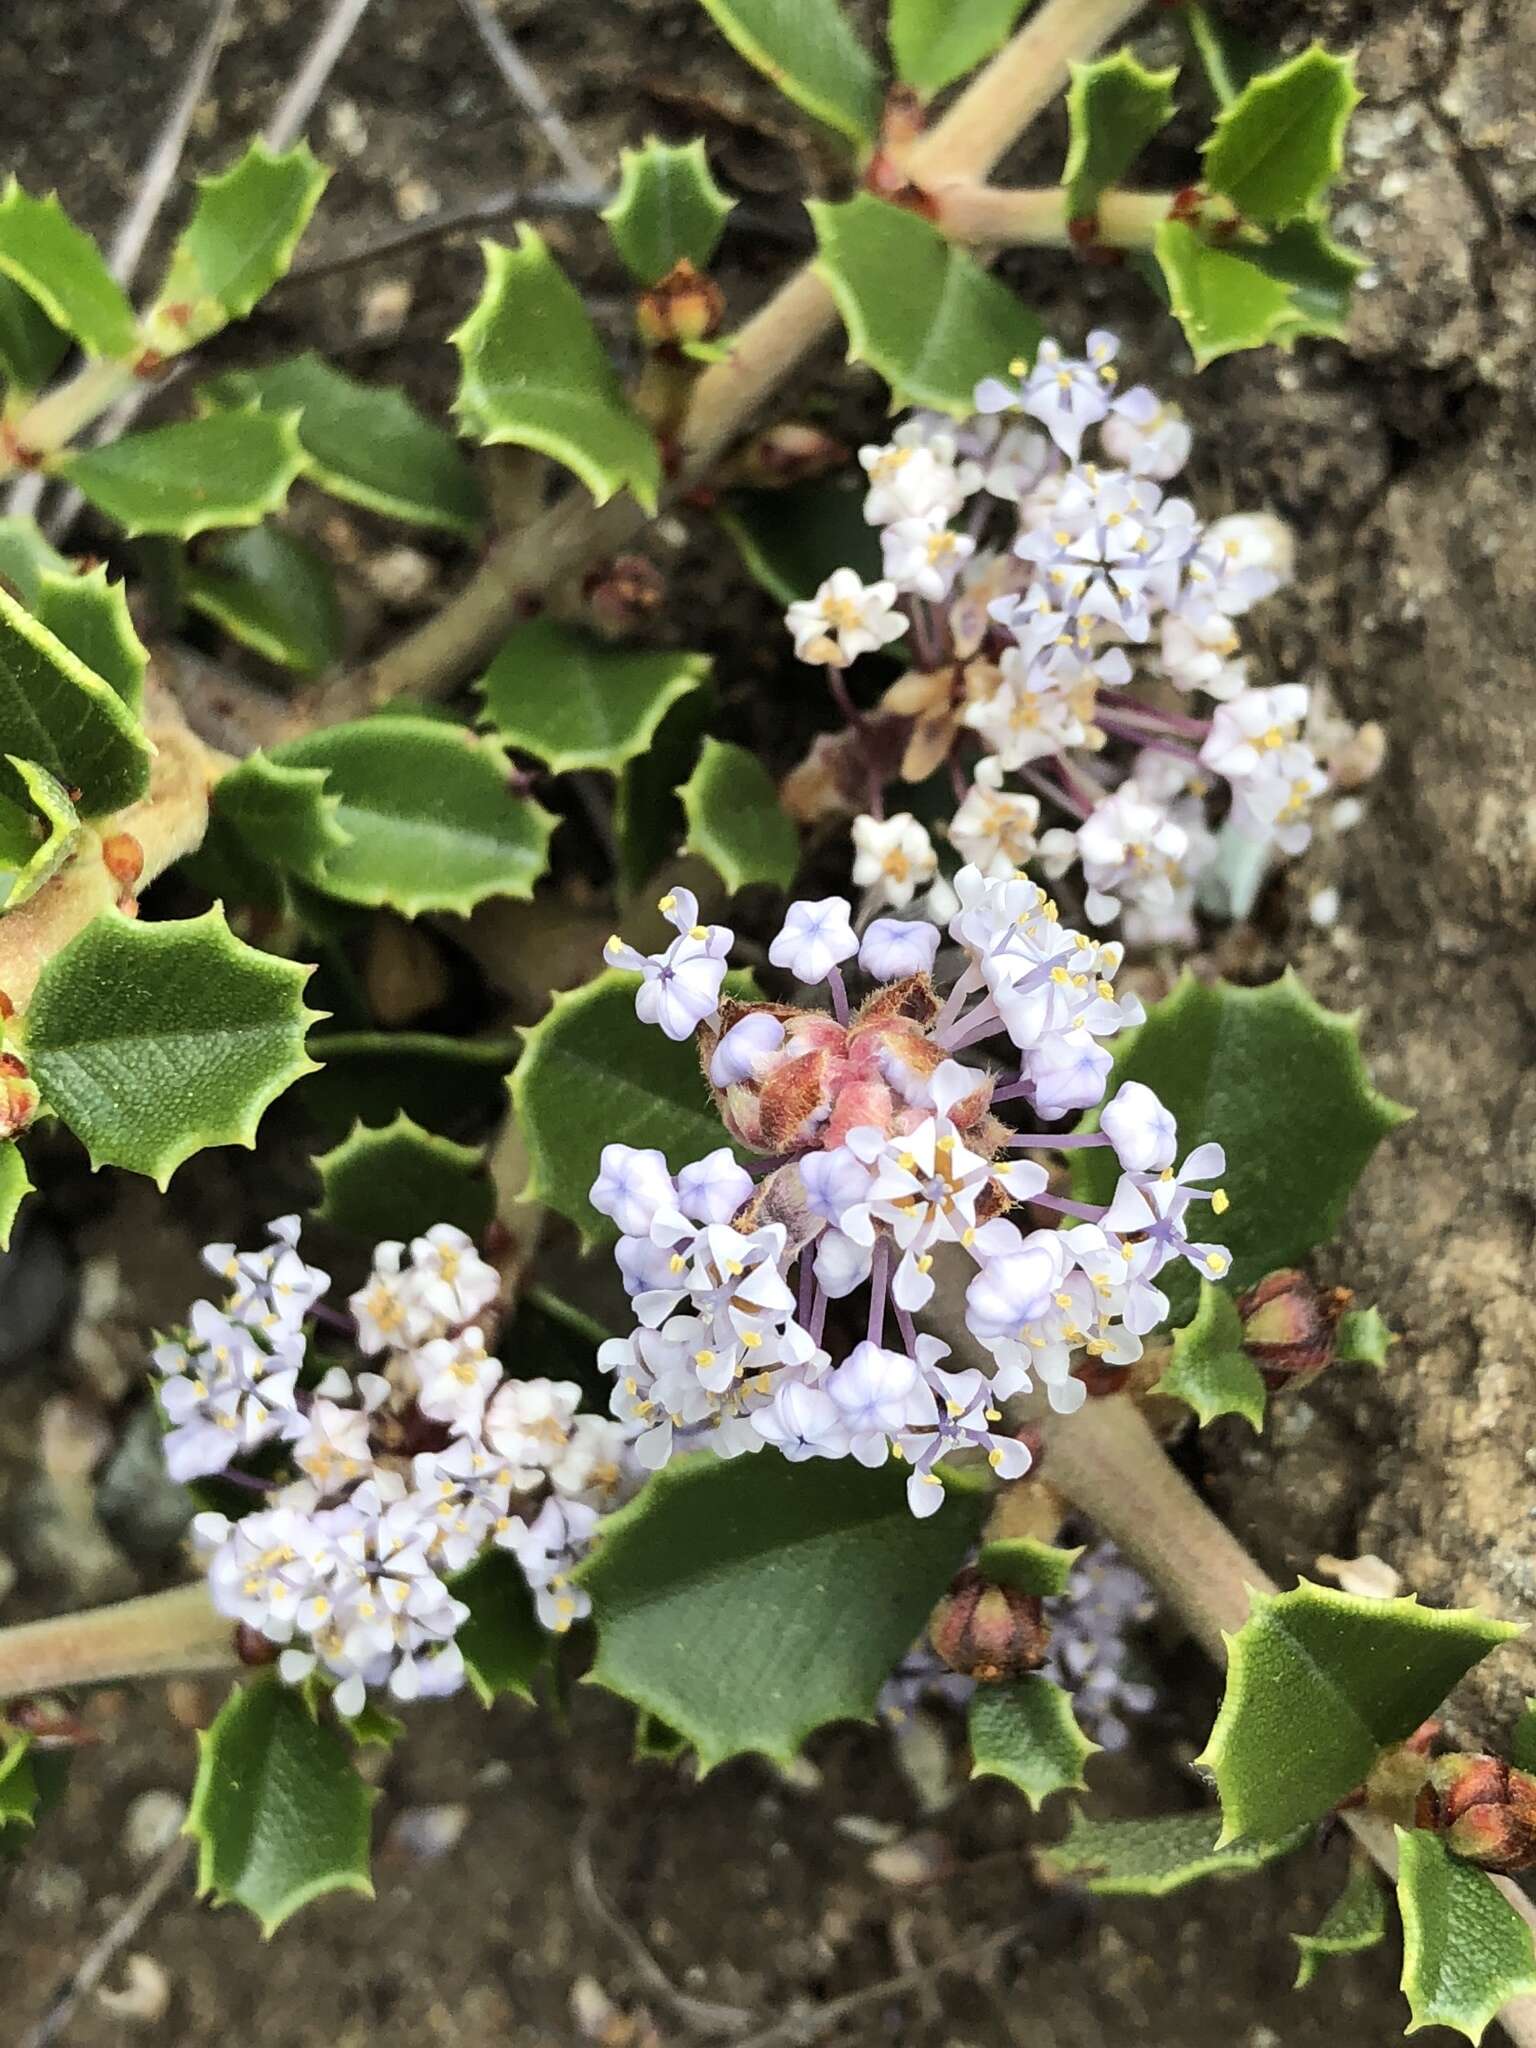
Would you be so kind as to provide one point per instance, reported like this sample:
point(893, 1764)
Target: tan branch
point(973, 212)
point(153, 1637)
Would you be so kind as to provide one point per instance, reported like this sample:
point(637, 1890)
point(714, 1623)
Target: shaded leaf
point(667, 207)
point(1355, 1921)
point(1362, 1338)
point(648, 822)
point(60, 267)
point(25, 553)
point(554, 1339)
point(57, 712)
point(90, 615)
point(1228, 57)
point(1319, 1683)
point(935, 42)
point(503, 1644)
point(746, 1604)
point(735, 821)
point(655, 1742)
point(1320, 274)
point(153, 1041)
point(1149, 1858)
point(534, 372)
point(230, 469)
point(1522, 1750)
point(1209, 1368)
point(371, 1075)
point(31, 346)
point(278, 1812)
point(283, 816)
point(35, 839)
point(1114, 108)
point(397, 1181)
point(239, 242)
point(918, 310)
point(579, 702)
point(1466, 1951)
point(18, 1789)
point(1028, 1565)
point(272, 594)
point(1025, 1731)
point(811, 54)
point(1278, 144)
point(792, 540)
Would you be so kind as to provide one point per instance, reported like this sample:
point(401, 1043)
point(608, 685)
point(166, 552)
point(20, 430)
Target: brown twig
point(797, 2030)
point(99, 1957)
point(527, 88)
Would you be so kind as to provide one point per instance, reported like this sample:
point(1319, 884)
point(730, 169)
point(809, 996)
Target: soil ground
point(1405, 461)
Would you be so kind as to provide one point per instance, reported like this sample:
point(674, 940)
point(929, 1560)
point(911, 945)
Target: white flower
point(1199, 651)
point(454, 1282)
point(548, 1548)
point(272, 1290)
point(1129, 847)
point(388, 1310)
point(893, 857)
point(261, 1568)
point(924, 556)
point(813, 939)
point(528, 1422)
point(1066, 396)
point(334, 1449)
point(878, 1394)
point(224, 1393)
point(893, 948)
point(995, 829)
point(680, 987)
point(1252, 726)
point(1141, 1129)
point(846, 618)
point(455, 1378)
point(712, 1189)
point(912, 478)
point(1112, 547)
point(747, 1047)
point(1155, 445)
point(1016, 463)
point(633, 1188)
point(803, 1422)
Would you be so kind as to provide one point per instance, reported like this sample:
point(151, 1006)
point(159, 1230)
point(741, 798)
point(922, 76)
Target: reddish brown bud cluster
point(18, 1095)
point(624, 594)
point(1484, 1809)
point(1289, 1326)
point(988, 1632)
point(685, 305)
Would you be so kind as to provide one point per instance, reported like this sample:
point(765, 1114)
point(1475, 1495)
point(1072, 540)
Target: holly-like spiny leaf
point(278, 1811)
point(272, 594)
point(1025, 1731)
point(1027, 1565)
point(25, 553)
point(15, 1186)
point(792, 540)
point(533, 372)
point(36, 838)
point(1466, 1951)
point(1114, 108)
point(397, 1181)
point(648, 822)
point(1149, 1858)
point(1278, 145)
point(1355, 1921)
point(152, 1041)
point(577, 701)
point(369, 1076)
point(668, 208)
point(1209, 1368)
point(811, 53)
point(90, 615)
point(284, 816)
point(918, 310)
point(735, 820)
point(747, 1604)
point(240, 240)
point(1362, 1338)
point(31, 346)
point(1223, 302)
point(1318, 272)
point(1319, 1683)
point(935, 42)
point(503, 1645)
point(59, 266)
point(60, 714)
point(229, 469)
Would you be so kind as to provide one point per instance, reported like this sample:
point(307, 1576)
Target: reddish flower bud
point(988, 1632)
point(685, 305)
point(1485, 1811)
point(793, 452)
point(624, 594)
point(1288, 1327)
point(19, 1095)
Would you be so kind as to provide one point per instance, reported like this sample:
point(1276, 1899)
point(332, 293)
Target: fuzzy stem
point(51, 422)
point(973, 212)
point(153, 1637)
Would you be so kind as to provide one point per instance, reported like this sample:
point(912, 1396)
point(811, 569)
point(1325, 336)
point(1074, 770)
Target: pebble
point(144, 1997)
point(151, 1824)
point(400, 577)
point(426, 1832)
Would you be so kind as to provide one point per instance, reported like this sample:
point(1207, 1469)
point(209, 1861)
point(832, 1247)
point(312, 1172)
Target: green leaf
point(374, 1729)
point(272, 594)
point(1114, 108)
point(15, 1186)
point(1025, 1731)
point(1276, 148)
point(283, 816)
point(90, 615)
point(1028, 1565)
point(812, 55)
point(457, 1083)
point(576, 701)
point(239, 242)
point(278, 1812)
point(1363, 1338)
point(25, 553)
point(35, 842)
point(400, 1180)
point(1320, 274)
point(1209, 1367)
point(1355, 1921)
point(60, 267)
point(655, 1742)
point(1466, 1951)
point(591, 1074)
point(792, 540)
point(57, 712)
point(365, 443)
point(533, 372)
point(1148, 1858)
point(230, 469)
point(668, 207)
point(746, 1604)
point(918, 310)
point(1227, 56)
point(31, 346)
point(935, 42)
point(1279, 1082)
point(18, 1788)
point(647, 817)
point(554, 1339)
point(503, 1644)
point(1522, 1749)
point(153, 1041)
point(430, 819)
point(735, 821)
point(1222, 302)
point(1319, 1683)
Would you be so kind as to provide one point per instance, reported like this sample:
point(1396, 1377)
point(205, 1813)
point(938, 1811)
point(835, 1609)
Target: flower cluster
point(880, 1151)
point(1032, 588)
point(372, 1486)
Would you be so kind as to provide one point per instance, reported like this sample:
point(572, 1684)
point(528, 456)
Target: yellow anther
point(1221, 1201)
point(667, 903)
point(698, 931)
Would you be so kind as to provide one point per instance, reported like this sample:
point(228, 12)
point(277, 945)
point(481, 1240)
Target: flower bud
point(252, 1647)
point(793, 452)
point(685, 305)
point(19, 1095)
point(1288, 1327)
point(1485, 1811)
point(624, 594)
point(988, 1632)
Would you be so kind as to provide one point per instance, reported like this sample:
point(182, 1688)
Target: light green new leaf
point(239, 242)
point(534, 372)
point(735, 820)
point(1522, 1748)
point(278, 1811)
point(1025, 1731)
point(153, 1041)
point(15, 1186)
point(230, 469)
point(283, 816)
point(579, 702)
point(591, 1074)
point(18, 1788)
point(25, 553)
point(31, 346)
point(1355, 1921)
point(1027, 1565)
point(792, 540)
point(1114, 108)
point(60, 714)
point(1223, 302)
point(1277, 146)
point(272, 594)
point(396, 1182)
point(1466, 1951)
point(1319, 1683)
point(1209, 1367)
point(746, 1604)
point(1148, 1858)
point(431, 820)
point(1279, 1082)
point(35, 839)
point(812, 55)
point(1363, 1338)
point(668, 207)
point(59, 266)
point(934, 42)
point(504, 1646)
point(918, 310)
point(365, 443)
point(91, 616)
